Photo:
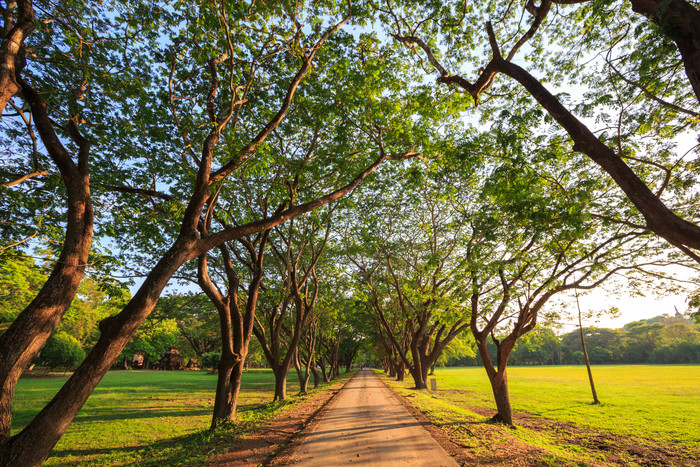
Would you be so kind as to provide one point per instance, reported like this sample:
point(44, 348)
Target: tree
point(605, 344)
point(531, 236)
point(236, 308)
point(55, 72)
point(290, 303)
point(410, 259)
point(645, 172)
point(197, 323)
point(641, 339)
point(539, 347)
point(155, 337)
point(92, 304)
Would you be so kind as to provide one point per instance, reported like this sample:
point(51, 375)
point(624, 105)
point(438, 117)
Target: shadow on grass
point(181, 450)
point(191, 449)
point(141, 413)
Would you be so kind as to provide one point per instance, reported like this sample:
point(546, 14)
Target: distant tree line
point(659, 340)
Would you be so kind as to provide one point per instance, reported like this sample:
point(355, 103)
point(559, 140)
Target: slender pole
point(585, 353)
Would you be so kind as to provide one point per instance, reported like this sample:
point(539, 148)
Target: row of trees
point(439, 258)
point(187, 322)
point(214, 143)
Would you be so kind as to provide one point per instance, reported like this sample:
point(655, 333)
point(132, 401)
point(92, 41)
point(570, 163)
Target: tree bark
point(400, 371)
point(228, 387)
point(235, 326)
point(280, 383)
point(499, 385)
point(317, 376)
point(498, 377)
point(326, 378)
point(302, 374)
point(416, 370)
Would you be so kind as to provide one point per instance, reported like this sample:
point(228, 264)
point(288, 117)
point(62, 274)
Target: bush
point(682, 352)
point(211, 360)
point(61, 350)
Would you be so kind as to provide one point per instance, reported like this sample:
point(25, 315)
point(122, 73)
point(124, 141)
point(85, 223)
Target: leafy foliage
point(61, 350)
point(20, 280)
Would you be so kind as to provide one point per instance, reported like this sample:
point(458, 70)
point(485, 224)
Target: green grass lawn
point(147, 417)
point(660, 402)
point(655, 404)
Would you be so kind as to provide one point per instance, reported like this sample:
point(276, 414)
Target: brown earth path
point(366, 425)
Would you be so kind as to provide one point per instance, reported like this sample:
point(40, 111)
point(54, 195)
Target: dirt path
point(366, 425)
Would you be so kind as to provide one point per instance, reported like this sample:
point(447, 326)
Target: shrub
point(61, 350)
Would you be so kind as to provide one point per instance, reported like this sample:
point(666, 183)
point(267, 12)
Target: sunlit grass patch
point(655, 406)
point(659, 402)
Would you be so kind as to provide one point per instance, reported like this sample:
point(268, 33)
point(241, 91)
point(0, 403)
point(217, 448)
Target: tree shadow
point(190, 449)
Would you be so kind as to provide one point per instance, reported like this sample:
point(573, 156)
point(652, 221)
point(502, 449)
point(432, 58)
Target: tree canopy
point(337, 177)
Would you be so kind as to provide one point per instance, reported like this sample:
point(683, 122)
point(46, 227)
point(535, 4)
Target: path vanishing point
point(366, 425)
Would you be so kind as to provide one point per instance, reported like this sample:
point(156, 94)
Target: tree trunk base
point(499, 420)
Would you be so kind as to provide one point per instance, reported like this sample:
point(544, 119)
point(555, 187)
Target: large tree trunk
point(418, 379)
point(499, 385)
point(392, 368)
point(304, 382)
point(416, 369)
point(322, 364)
point(425, 369)
point(235, 327)
point(228, 387)
point(400, 371)
point(302, 374)
point(498, 377)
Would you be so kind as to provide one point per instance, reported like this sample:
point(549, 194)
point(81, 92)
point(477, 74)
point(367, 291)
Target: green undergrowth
point(153, 418)
point(653, 405)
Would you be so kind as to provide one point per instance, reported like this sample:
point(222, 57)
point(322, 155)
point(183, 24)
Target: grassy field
point(655, 405)
point(147, 417)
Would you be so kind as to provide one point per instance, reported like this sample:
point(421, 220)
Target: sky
point(631, 307)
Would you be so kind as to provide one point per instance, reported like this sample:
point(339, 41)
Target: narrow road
point(366, 425)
